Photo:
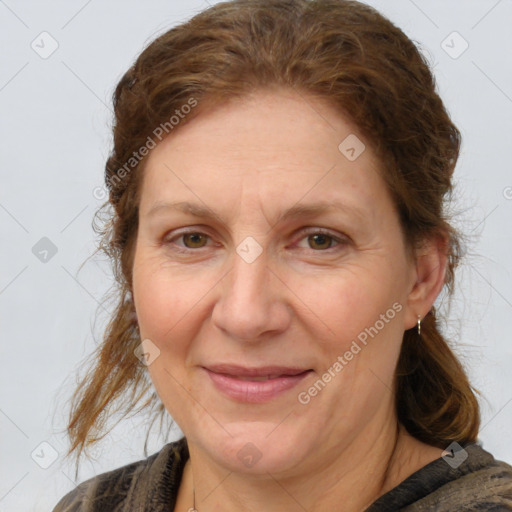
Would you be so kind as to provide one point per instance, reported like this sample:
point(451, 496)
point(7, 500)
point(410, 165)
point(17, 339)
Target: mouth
point(255, 385)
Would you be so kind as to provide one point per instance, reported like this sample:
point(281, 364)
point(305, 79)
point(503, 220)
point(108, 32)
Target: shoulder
point(152, 480)
point(473, 482)
point(481, 484)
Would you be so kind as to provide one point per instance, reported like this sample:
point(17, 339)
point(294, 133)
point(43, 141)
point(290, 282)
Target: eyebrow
point(296, 211)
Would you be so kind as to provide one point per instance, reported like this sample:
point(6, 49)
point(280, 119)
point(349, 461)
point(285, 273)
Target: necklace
point(194, 508)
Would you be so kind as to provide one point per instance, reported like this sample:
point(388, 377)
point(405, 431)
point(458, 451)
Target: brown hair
point(339, 50)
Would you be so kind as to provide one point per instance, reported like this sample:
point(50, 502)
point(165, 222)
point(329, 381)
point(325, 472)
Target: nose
point(253, 303)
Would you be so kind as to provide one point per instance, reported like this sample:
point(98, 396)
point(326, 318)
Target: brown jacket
point(480, 483)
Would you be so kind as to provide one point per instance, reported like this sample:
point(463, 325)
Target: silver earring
point(419, 325)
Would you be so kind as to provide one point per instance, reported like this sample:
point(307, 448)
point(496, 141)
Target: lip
point(232, 381)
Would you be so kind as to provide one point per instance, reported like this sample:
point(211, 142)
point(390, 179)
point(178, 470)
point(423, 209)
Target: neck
point(349, 480)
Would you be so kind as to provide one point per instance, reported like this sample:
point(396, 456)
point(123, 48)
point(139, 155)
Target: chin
point(257, 447)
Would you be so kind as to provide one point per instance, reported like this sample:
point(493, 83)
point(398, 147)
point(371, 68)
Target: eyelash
point(317, 231)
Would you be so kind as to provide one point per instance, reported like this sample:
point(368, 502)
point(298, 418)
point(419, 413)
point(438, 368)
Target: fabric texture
point(480, 483)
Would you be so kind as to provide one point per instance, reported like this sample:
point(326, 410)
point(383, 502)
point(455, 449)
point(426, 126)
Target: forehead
point(278, 146)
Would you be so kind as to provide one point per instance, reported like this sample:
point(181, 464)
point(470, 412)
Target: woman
point(277, 181)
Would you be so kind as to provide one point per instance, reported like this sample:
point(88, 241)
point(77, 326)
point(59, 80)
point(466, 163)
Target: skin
point(301, 302)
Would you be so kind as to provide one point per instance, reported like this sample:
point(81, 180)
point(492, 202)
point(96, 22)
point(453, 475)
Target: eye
point(196, 240)
point(320, 240)
point(191, 240)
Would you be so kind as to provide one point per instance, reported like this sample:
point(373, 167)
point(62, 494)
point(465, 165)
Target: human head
point(349, 55)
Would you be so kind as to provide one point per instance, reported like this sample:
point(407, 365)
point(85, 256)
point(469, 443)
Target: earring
point(419, 325)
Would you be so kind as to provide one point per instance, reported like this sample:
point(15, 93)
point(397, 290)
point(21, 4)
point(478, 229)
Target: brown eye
point(194, 240)
point(321, 241)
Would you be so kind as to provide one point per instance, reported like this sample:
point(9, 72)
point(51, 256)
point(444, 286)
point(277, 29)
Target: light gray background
point(55, 136)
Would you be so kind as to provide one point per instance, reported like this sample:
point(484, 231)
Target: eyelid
point(340, 239)
point(186, 231)
point(302, 233)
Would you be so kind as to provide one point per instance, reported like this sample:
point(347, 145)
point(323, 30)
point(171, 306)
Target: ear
point(428, 278)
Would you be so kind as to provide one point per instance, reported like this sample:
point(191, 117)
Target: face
point(275, 304)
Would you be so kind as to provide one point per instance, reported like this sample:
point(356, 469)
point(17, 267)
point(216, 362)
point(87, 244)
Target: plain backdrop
point(55, 136)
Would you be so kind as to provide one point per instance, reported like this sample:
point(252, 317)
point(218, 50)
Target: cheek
point(169, 303)
point(359, 354)
point(165, 311)
point(361, 312)
point(154, 303)
point(160, 299)
point(349, 301)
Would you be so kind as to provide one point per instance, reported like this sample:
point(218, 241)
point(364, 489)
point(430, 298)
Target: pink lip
point(228, 379)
